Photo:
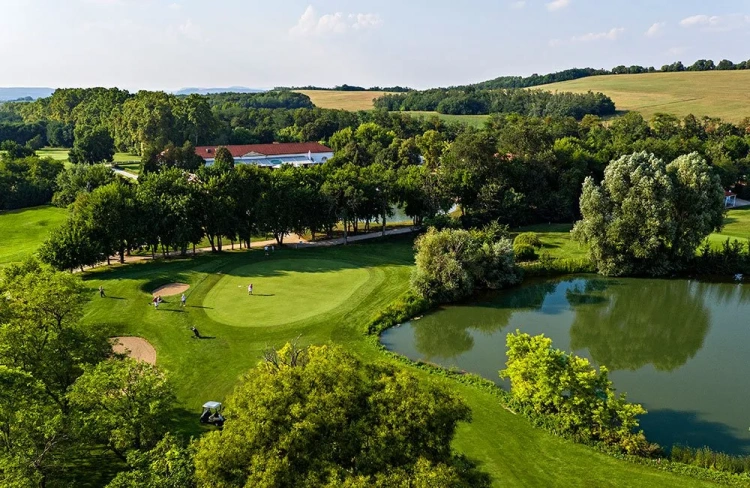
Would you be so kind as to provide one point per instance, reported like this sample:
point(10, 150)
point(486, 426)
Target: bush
point(529, 239)
point(452, 264)
point(524, 253)
point(579, 400)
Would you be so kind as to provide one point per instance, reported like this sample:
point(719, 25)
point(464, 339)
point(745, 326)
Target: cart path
point(291, 241)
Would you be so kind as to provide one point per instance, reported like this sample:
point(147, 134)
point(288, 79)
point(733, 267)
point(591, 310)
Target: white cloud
point(610, 35)
point(655, 29)
point(557, 5)
point(175, 6)
point(675, 51)
point(310, 23)
point(518, 5)
point(190, 30)
point(720, 23)
point(554, 42)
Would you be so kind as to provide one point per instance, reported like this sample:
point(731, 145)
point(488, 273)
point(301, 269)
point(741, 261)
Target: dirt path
point(135, 347)
point(291, 241)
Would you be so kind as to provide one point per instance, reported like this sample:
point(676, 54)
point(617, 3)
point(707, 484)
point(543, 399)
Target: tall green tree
point(92, 145)
point(223, 159)
point(380, 425)
point(40, 329)
point(124, 404)
point(647, 217)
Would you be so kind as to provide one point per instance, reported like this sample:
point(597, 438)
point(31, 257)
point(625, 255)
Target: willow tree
point(648, 217)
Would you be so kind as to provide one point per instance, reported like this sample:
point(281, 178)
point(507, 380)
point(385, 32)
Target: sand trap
point(135, 347)
point(171, 290)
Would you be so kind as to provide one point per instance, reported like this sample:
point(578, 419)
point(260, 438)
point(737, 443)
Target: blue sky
point(169, 44)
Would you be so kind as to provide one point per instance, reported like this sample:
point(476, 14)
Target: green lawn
point(61, 154)
point(134, 168)
point(558, 242)
point(353, 283)
point(56, 153)
point(472, 120)
point(24, 230)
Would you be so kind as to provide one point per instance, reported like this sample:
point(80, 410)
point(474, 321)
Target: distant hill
point(210, 91)
point(16, 93)
point(714, 93)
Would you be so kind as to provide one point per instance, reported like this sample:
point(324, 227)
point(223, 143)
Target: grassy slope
point(507, 446)
point(24, 230)
point(714, 93)
point(343, 100)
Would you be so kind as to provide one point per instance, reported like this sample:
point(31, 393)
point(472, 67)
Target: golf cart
point(212, 414)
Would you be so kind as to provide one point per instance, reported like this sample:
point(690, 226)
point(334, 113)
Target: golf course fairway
point(284, 291)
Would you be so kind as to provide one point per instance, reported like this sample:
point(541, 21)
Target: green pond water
point(681, 348)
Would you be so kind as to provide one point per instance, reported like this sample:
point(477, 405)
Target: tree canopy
point(379, 426)
point(647, 217)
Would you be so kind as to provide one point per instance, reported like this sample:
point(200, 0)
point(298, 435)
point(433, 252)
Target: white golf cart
point(212, 414)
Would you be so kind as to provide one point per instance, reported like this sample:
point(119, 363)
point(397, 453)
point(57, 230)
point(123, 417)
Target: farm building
point(272, 155)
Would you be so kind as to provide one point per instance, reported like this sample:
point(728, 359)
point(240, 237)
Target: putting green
point(284, 291)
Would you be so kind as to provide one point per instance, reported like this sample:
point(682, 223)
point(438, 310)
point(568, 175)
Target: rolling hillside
point(715, 93)
point(342, 100)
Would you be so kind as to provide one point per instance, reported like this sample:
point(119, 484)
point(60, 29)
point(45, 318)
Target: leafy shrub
point(529, 239)
point(524, 253)
point(577, 399)
point(452, 264)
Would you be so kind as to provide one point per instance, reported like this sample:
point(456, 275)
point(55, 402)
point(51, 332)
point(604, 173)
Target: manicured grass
point(715, 93)
point(56, 153)
point(559, 243)
point(284, 291)
point(134, 168)
point(472, 120)
point(61, 154)
point(358, 281)
point(23, 231)
point(343, 100)
point(556, 240)
point(127, 158)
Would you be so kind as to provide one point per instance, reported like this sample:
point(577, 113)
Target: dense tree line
point(25, 179)
point(504, 82)
point(517, 170)
point(346, 87)
point(478, 102)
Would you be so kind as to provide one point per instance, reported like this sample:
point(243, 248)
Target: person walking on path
point(101, 291)
point(183, 299)
point(250, 289)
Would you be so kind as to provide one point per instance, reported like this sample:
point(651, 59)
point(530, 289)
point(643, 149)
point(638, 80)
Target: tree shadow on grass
point(669, 427)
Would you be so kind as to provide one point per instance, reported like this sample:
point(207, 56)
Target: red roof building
point(253, 151)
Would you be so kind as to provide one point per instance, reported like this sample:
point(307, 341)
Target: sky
point(172, 44)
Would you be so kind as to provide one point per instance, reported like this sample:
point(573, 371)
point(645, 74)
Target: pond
point(679, 347)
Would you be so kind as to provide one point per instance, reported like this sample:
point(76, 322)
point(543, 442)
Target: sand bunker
point(171, 290)
point(136, 348)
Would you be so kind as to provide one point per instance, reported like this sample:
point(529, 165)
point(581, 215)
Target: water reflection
point(678, 347)
point(445, 333)
point(628, 327)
